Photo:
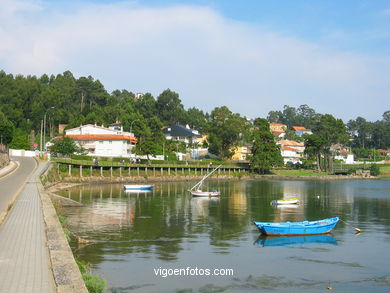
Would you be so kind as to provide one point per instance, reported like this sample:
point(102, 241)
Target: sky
point(252, 56)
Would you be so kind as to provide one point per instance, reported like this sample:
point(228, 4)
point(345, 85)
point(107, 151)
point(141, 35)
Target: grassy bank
point(299, 173)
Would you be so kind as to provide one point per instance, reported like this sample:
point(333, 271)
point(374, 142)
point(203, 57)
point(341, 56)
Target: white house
point(100, 141)
point(342, 153)
point(291, 150)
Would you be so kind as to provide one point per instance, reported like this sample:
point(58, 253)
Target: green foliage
point(65, 147)
point(20, 140)
point(6, 129)
point(225, 132)
point(374, 170)
point(169, 107)
point(265, 152)
point(94, 284)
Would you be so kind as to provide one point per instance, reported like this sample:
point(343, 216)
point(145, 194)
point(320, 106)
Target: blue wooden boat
point(298, 228)
point(267, 241)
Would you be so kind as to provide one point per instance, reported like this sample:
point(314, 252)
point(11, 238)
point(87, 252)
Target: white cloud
point(208, 59)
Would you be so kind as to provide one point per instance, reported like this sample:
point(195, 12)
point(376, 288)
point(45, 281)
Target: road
point(12, 183)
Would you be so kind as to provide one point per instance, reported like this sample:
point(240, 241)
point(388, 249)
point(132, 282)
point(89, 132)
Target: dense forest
point(64, 99)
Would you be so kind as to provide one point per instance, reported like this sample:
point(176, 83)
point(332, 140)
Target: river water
point(139, 239)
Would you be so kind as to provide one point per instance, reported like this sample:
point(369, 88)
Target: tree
point(6, 129)
point(65, 147)
point(328, 131)
point(225, 131)
point(314, 147)
point(265, 152)
point(20, 140)
point(169, 107)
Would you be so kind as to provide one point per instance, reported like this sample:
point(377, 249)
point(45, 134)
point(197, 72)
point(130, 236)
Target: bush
point(374, 170)
point(94, 283)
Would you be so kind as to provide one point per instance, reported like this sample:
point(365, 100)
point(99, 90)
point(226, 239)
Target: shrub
point(94, 284)
point(374, 170)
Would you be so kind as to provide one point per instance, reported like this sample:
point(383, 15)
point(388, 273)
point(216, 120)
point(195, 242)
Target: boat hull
point(297, 228)
point(205, 193)
point(134, 187)
point(285, 201)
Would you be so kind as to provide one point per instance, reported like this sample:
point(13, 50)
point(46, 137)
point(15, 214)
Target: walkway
point(24, 256)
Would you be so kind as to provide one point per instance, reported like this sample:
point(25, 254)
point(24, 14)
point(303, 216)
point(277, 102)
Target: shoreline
point(70, 182)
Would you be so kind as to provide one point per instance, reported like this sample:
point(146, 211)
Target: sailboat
point(196, 190)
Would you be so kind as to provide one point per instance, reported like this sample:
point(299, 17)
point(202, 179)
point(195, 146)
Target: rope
point(356, 229)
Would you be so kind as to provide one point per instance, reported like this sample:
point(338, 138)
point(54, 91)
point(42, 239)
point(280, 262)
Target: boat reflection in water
point(267, 241)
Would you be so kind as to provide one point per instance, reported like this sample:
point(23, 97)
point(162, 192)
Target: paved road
point(10, 184)
point(24, 256)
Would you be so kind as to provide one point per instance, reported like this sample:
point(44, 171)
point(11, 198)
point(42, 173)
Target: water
point(135, 234)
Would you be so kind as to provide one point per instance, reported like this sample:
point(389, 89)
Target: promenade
point(24, 255)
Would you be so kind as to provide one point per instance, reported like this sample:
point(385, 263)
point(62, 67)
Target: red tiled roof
point(102, 137)
point(383, 151)
point(289, 149)
point(298, 128)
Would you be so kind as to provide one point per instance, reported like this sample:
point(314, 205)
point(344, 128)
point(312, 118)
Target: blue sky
point(252, 56)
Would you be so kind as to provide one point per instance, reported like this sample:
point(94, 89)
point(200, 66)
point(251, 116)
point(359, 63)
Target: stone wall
point(4, 160)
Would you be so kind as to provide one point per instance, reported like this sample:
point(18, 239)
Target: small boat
point(298, 228)
point(291, 200)
point(137, 187)
point(205, 193)
point(267, 241)
point(197, 191)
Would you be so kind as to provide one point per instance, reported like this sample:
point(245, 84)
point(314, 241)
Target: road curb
point(66, 273)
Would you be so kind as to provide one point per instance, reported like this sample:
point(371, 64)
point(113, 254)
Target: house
point(291, 150)
point(241, 153)
point(301, 130)
point(103, 142)
point(384, 153)
point(343, 153)
point(181, 133)
point(278, 130)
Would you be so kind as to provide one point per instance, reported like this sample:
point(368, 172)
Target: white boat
point(138, 187)
point(286, 201)
point(196, 190)
point(205, 193)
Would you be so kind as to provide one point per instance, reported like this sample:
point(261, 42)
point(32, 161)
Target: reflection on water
point(265, 241)
point(132, 233)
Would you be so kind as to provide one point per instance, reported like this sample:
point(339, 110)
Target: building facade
point(100, 141)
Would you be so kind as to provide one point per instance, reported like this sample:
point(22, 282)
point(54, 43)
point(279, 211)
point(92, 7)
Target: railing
point(167, 164)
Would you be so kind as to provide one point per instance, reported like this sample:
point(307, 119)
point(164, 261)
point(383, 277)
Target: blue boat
point(298, 228)
point(267, 241)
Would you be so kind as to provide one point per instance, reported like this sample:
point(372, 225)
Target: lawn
point(279, 172)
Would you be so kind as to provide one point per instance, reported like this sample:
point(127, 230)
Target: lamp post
point(44, 128)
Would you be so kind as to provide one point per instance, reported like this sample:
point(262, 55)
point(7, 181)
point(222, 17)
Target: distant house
point(343, 153)
point(291, 151)
point(100, 141)
point(278, 130)
point(181, 133)
point(241, 153)
point(301, 130)
point(384, 153)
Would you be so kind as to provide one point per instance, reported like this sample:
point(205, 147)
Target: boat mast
point(204, 178)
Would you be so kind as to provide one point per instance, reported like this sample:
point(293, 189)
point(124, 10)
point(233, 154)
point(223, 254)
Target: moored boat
point(145, 187)
point(291, 200)
point(298, 228)
point(201, 193)
point(197, 191)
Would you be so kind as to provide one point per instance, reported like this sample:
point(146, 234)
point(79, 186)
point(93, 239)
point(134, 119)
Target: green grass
point(299, 173)
point(384, 170)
